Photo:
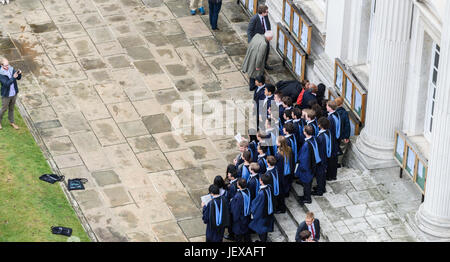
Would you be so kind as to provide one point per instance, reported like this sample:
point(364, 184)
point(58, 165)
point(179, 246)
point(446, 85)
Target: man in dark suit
point(259, 24)
point(310, 224)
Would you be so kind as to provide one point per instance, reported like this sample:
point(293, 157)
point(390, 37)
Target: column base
point(430, 227)
point(372, 154)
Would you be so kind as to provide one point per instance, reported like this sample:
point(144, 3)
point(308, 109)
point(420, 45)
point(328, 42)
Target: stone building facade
point(400, 52)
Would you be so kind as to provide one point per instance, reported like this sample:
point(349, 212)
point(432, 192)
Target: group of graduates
point(298, 142)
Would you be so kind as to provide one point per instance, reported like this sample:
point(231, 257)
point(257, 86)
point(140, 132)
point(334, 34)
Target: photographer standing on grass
point(9, 90)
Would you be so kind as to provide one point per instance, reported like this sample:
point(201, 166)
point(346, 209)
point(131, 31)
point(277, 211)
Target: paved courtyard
point(100, 78)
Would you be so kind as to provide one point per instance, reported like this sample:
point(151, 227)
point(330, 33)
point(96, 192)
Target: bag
point(76, 183)
point(51, 178)
point(65, 231)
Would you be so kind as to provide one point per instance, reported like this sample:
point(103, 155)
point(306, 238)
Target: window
point(432, 83)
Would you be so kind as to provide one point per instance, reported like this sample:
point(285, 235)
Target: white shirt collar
point(262, 187)
point(234, 180)
point(270, 168)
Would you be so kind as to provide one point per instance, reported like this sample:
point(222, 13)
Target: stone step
point(287, 226)
point(277, 234)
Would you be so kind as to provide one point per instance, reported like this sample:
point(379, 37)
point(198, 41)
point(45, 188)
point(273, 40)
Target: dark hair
point(304, 235)
point(232, 170)
point(260, 79)
point(247, 156)
point(219, 182)
point(266, 179)
point(270, 88)
point(242, 183)
point(262, 9)
point(289, 127)
point(317, 109)
point(271, 160)
point(297, 112)
point(213, 189)
point(279, 93)
point(263, 147)
point(288, 113)
point(324, 123)
point(309, 130)
point(332, 104)
point(287, 100)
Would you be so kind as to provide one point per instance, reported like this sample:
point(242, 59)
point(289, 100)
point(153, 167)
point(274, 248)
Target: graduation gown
point(325, 147)
point(232, 190)
point(262, 162)
point(292, 142)
point(255, 56)
point(277, 182)
point(244, 171)
point(305, 168)
point(253, 186)
point(253, 148)
point(240, 212)
point(215, 228)
point(315, 126)
point(272, 150)
point(262, 209)
point(335, 124)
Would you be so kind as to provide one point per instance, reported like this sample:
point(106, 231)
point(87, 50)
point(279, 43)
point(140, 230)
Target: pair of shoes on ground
point(302, 200)
point(201, 10)
point(16, 127)
point(5, 1)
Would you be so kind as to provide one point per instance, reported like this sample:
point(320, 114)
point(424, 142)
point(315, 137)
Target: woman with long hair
point(285, 163)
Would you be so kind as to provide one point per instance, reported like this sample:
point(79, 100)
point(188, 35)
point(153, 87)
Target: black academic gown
point(232, 189)
point(253, 186)
point(240, 220)
point(262, 162)
point(262, 220)
point(214, 232)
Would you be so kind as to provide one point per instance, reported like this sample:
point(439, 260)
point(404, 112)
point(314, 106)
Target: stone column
point(388, 69)
point(359, 32)
point(433, 216)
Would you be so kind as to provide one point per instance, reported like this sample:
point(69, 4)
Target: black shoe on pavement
point(315, 193)
point(229, 237)
point(268, 67)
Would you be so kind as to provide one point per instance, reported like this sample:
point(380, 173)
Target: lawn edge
point(38, 139)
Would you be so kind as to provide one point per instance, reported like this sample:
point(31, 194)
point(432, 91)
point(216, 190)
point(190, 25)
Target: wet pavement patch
point(157, 123)
point(42, 28)
point(148, 67)
point(104, 178)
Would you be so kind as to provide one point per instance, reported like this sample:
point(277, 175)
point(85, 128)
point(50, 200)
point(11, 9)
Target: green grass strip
point(29, 206)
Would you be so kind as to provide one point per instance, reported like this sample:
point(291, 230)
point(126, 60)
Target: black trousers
point(267, 54)
point(307, 191)
point(243, 238)
point(332, 168)
point(321, 181)
point(252, 84)
point(279, 202)
point(263, 237)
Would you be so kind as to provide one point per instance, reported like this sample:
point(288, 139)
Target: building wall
point(342, 29)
